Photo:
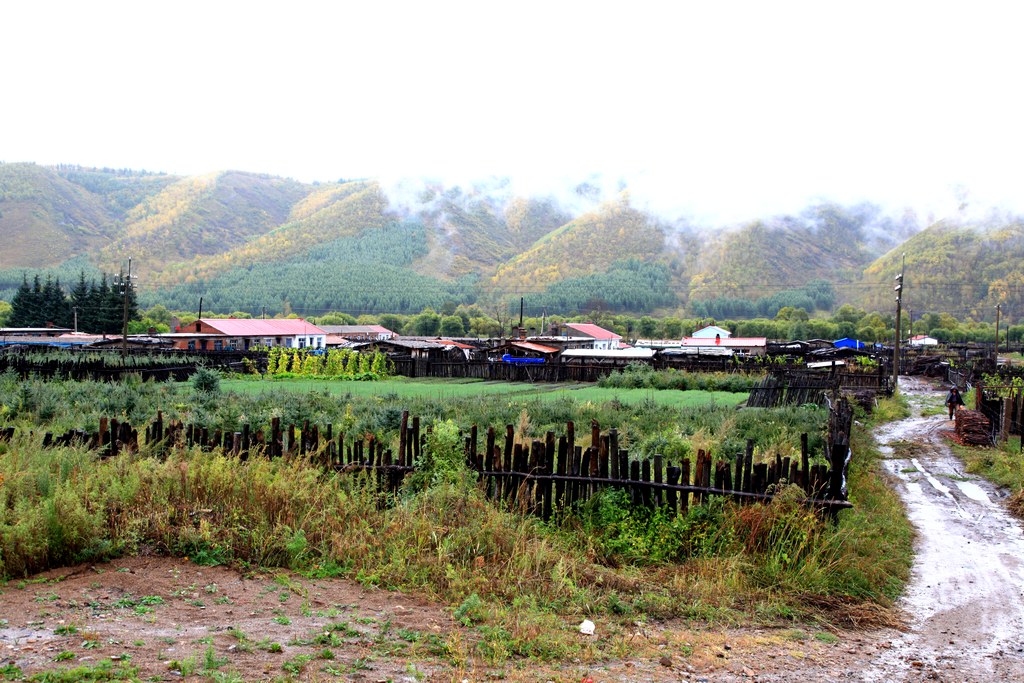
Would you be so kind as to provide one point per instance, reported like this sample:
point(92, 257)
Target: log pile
point(972, 428)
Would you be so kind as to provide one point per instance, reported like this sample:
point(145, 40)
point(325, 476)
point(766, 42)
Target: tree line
point(90, 306)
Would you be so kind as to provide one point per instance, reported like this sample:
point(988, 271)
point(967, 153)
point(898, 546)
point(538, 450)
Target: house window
point(288, 343)
point(218, 345)
point(302, 342)
point(192, 345)
point(268, 342)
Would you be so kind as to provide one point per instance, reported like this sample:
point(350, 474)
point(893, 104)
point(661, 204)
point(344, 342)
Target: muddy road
point(965, 601)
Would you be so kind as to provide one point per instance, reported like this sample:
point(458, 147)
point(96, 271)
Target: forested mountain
point(46, 219)
point(769, 263)
point(249, 242)
point(956, 268)
point(202, 215)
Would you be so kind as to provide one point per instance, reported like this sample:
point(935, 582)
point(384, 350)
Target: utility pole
point(126, 284)
point(74, 310)
point(896, 346)
point(999, 308)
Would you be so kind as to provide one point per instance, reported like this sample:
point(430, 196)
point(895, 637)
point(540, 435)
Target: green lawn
point(444, 388)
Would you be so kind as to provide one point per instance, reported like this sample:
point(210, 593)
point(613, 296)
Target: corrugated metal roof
point(608, 353)
point(592, 330)
point(530, 346)
point(409, 343)
point(34, 330)
point(282, 327)
point(731, 342)
point(356, 329)
point(458, 345)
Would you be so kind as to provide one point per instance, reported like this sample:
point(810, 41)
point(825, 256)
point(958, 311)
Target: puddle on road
point(974, 492)
point(965, 599)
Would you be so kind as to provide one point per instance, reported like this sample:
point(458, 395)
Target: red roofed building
point(603, 339)
point(238, 334)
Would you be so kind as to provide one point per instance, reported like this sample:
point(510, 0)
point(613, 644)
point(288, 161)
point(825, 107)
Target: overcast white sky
point(719, 110)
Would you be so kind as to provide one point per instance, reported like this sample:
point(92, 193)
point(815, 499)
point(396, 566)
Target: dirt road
point(965, 601)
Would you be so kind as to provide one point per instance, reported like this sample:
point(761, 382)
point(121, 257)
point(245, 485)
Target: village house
point(750, 346)
point(579, 336)
point(710, 332)
point(236, 334)
point(923, 340)
point(603, 339)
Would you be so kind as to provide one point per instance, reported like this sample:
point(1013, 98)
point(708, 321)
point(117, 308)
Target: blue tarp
point(847, 343)
point(515, 359)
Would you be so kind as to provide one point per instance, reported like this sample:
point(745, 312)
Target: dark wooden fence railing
point(578, 370)
point(796, 386)
point(96, 365)
point(544, 476)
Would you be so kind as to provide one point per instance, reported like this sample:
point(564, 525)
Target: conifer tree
point(21, 305)
point(80, 301)
point(54, 308)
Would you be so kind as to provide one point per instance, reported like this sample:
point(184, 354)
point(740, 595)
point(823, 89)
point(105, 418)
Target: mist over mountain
point(253, 242)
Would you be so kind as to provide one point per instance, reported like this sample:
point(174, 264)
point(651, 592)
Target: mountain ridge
point(269, 237)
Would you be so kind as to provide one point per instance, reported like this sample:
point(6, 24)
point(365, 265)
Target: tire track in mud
point(965, 599)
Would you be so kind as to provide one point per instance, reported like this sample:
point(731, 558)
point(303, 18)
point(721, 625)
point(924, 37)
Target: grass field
point(451, 388)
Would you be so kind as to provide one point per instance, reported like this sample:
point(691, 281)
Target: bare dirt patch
point(173, 619)
point(170, 617)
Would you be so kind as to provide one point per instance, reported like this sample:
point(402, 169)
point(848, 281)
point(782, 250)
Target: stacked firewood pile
point(972, 428)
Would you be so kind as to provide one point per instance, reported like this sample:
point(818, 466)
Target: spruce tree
point(54, 308)
point(21, 305)
point(82, 318)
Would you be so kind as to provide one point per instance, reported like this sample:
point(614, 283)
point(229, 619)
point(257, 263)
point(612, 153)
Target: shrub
point(206, 381)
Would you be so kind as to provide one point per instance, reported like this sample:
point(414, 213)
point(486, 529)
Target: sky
point(717, 111)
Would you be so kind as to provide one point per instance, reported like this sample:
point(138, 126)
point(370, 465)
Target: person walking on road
point(953, 400)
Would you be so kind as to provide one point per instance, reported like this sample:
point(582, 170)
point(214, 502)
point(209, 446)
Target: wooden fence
point(795, 386)
point(97, 365)
point(1004, 408)
point(544, 476)
point(576, 370)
